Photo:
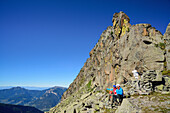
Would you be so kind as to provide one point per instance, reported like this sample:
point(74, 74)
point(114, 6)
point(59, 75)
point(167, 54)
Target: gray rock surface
point(121, 49)
point(127, 107)
point(167, 42)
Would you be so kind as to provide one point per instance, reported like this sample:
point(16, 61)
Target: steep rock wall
point(121, 48)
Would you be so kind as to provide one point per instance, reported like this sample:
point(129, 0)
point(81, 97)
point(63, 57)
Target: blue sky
point(47, 42)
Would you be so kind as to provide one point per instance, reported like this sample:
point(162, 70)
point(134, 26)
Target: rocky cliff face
point(121, 49)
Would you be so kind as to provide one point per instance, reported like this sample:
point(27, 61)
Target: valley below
point(40, 99)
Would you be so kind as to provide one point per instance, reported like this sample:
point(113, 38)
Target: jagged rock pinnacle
point(120, 23)
point(118, 18)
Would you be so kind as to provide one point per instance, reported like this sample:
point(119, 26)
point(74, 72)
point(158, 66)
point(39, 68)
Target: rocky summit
point(121, 49)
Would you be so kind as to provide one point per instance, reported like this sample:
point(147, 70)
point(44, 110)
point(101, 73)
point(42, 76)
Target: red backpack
point(110, 92)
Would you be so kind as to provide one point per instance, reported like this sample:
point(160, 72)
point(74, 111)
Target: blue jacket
point(119, 91)
point(110, 89)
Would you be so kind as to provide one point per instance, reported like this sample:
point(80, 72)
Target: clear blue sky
point(46, 42)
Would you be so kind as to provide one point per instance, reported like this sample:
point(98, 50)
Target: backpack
point(110, 92)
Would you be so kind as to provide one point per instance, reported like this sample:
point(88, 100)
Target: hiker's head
point(117, 85)
point(114, 86)
point(136, 68)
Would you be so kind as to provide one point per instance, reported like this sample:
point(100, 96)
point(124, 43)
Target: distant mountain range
point(26, 87)
point(41, 99)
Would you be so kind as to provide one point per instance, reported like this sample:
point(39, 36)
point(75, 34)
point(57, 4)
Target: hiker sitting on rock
point(135, 74)
point(119, 92)
point(112, 91)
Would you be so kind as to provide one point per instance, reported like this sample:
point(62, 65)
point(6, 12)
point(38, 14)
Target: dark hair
point(136, 68)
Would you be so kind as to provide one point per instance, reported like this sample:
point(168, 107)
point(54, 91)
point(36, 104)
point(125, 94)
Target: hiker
point(112, 91)
point(135, 74)
point(119, 92)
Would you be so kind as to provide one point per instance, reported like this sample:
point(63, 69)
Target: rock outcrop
point(155, 103)
point(167, 43)
point(121, 49)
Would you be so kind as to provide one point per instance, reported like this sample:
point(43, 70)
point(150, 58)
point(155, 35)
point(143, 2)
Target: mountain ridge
point(36, 98)
point(29, 87)
point(121, 49)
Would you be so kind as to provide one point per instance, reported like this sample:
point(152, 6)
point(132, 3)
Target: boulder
point(167, 82)
point(159, 76)
point(160, 87)
point(85, 96)
point(126, 107)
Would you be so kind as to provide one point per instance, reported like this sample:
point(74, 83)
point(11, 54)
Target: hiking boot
point(119, 104)
point(116, 103)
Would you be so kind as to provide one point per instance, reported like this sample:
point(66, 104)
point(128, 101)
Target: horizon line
point(32, 86)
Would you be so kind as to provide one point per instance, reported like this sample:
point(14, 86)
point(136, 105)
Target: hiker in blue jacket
point(119, 92)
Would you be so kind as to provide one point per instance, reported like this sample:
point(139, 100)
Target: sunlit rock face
point(121, 49)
